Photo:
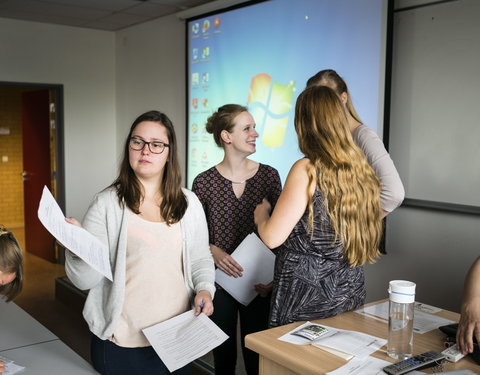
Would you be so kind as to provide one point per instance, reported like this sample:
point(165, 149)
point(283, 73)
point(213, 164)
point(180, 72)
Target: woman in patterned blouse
point(327, 219)
point(229, 193)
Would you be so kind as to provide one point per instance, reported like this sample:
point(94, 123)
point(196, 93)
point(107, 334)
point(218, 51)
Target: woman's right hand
point(225, 262)
point(73, 221)
point(70, 220)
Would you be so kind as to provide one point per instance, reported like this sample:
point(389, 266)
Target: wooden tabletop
point(309, 360)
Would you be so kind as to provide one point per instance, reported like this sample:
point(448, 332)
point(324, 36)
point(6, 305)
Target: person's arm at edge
point(392, 190)
point(290, 207)
point(469, 325)
point(202, 266)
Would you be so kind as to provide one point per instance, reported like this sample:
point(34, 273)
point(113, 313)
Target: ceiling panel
point(96, 14)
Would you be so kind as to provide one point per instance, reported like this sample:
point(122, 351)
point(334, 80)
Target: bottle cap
point(402, 291)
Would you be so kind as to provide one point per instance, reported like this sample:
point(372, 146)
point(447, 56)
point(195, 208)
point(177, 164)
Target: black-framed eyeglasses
point(155, 147)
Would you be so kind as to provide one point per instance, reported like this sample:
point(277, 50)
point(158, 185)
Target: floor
point(38, 299)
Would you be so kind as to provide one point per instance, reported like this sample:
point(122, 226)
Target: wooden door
point(36, 169)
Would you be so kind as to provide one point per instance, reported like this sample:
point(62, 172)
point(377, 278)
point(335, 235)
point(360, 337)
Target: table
point(282, 358)
point(29, 344)
point(49, 358)
point(20, 329)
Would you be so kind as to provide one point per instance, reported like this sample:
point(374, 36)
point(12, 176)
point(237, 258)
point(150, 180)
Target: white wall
point(151, 75)
point(432, 248)
point(83, 61)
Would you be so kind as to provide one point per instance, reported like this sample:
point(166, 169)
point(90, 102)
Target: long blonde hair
point(350, 188)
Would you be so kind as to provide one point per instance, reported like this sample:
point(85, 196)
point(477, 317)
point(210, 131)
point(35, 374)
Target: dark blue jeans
point(111, 359)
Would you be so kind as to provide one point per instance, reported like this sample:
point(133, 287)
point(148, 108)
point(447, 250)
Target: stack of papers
point(343, 343)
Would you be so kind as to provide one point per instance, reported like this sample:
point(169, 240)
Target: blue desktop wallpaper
point(262, 55)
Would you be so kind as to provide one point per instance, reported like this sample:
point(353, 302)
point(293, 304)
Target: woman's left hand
point(262, 212)
point(264, 289)
point(203, 303)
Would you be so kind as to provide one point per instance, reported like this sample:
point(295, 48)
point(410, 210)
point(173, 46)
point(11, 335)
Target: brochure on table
point(346, 343)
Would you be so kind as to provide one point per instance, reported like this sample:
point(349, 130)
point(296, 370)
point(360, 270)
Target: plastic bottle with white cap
point(400, 319)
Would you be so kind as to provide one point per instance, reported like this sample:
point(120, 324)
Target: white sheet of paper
point(76, 239)
point(10, 367)
point(422, 320)
point(184, 338)
point(362, 366)
point(258, 263)
point(351, 342)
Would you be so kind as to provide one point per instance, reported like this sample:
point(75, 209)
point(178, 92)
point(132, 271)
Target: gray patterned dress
point(312, 279)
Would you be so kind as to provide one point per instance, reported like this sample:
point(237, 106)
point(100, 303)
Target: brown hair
point(223, 120)
point(350, 188)
point(330, 78)
point(11, 259)
point(128, 187)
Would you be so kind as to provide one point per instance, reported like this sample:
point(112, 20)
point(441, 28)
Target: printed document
point(423, 320)
point(355, 343)
point(257, 261)
point(362, 366)
point(184, 338)
point(76, 239)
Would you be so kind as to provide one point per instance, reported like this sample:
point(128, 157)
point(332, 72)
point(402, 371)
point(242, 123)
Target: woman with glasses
point(327, 220)
point(229, 192)
point(157, 236)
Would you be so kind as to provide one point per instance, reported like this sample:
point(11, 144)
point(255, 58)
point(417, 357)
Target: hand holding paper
point(184, 338)
point(74, 238)
point(258, 263)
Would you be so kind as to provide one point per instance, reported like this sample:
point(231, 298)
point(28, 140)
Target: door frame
point(59, 139)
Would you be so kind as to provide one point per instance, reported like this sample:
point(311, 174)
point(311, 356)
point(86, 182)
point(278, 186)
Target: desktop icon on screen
point(205, 77)
point(206, 26)
point(216, 22)
point(205, 52)
point(195, 78)
point(195, 28)
point(195, 53)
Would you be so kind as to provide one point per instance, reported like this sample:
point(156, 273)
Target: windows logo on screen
point(269, 103)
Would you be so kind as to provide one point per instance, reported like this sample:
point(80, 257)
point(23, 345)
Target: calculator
point(417, 362)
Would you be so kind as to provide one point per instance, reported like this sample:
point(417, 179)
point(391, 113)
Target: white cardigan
point(107, 220)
